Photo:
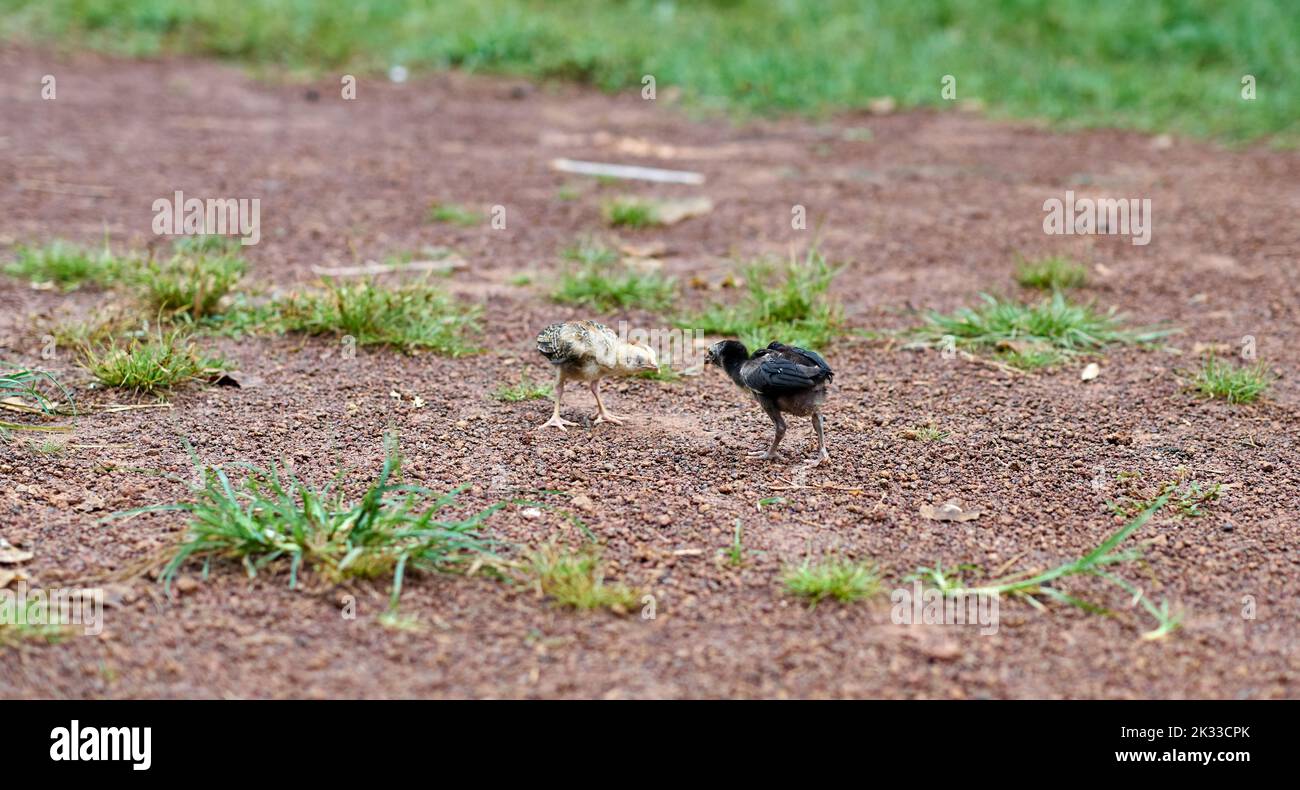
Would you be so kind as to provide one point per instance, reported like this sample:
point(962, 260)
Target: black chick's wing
point(777, 376)
point(800, 356)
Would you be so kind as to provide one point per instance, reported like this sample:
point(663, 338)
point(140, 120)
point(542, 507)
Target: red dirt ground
point(927, 211)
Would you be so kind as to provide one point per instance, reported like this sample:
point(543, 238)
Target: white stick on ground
point(632, 172)
point(444, 265)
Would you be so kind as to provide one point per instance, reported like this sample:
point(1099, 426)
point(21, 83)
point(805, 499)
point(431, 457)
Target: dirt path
point(929, 209)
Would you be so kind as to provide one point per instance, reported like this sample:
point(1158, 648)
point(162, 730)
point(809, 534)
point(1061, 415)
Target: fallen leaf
point(670, 212)
point(653, 249)
point(950, 511)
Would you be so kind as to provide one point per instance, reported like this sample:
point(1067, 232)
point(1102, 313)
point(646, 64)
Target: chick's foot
point(817, 459)
point(558, 422)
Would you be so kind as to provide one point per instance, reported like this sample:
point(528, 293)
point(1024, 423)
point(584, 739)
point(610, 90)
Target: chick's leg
point(556, 420)
point(822, 454)
point(779, 423)
point(604, 416)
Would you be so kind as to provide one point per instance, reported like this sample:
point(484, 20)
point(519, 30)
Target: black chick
point(783, 379)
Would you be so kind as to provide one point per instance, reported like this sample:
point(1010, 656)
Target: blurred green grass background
point(1161, 65)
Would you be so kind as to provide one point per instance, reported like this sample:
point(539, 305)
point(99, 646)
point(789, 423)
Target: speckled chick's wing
point(579, 341)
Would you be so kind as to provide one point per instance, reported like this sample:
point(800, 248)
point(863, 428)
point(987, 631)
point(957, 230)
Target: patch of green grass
point(48, 447)
point(207, 244)
point(946, 581)
point(35, 390)
point(925, 433)
point(191, 282)
point(1186, 497)
point(68, 266)
point(630, 212)
point(39, 387)
point(736, 551)
point(394, 620)
point(596, 278)
point(36, 622)
point(268, 517)
point(1235, 384)
point(1054, 273)
point(149, 365)
point(1032, 335)
point(1096, 563)
point(577, 579)
point(454, 214)
point(526, 389)
point(1030, 357)
point(408, 316)
point(792, 306)
point(1080, 64)
point(836, 579)
point(664, 372)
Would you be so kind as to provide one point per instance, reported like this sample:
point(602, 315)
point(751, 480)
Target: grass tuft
point(148, 365)
point(630, 212)
point(1096, 563)
point(68, 266)
point(33, 391)
point(1219, 379)
point(207, 244)
point(596, 278)
point(577, 580)
point(36, 622)
point(735, 553)
point(837, 579)
point(48, 447)
point(270, 518)
point(793, 306)
point(1186, 497)
point(526, 389)
point(1055, 273)
point(925, 433)
point(1032, 335)
point(410, 316)
point(453, 214)
point(192, 282)
point(39, 387)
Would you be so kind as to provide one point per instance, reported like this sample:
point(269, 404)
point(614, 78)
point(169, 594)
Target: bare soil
point(927, 209)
